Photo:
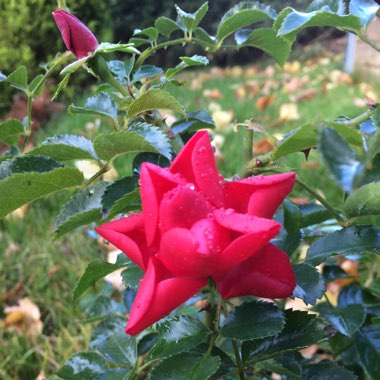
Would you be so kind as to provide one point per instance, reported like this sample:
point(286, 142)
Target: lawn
point(35, 266)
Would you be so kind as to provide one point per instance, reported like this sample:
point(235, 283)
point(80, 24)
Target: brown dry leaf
point(251, 71)
point(253, 88)
point(264, 102)
point(351, 267)
point(310, 164)
point(263, 146)
point(307, 95)
point(310, 351)
point(14, 293)
point(240, 92)
point(53, 270)
point(270, 71)
point(300, 201)
point(24, 318)
point(222, 119)
point(345, 78)
point(359, 102)
point(294, 85)
point(19, 213)
point(292, 67)
point(289, 111)
point(114, 278)
point(212, 93)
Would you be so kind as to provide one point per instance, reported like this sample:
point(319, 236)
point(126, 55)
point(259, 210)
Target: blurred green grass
point(46, 270)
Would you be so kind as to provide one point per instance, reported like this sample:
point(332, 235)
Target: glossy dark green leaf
point(154, 136)
point(365, 10)
point(95, 270)
point(128, 202)
point(312, 214)
point(363, 201)
point(351, 240)
point(326, 370)
point(266, 39)
point(301, 330)
point(152, 100)
point(105, 329)
point(241, 15)
point(253, 320)
point(23, 188)
point(101, 104)
point(290, 236)
point(336, 6)
point(84, 207)
point(10, 131)
point(205, 39)
point(111, 145)
point(345, 320)
point(104, 307)
point(116, 191)
point(132, 275)
point(66, 147)
point(119, 349)
point(284, 367)
point(333, 272)
point(166, 26)
point(150, 32)
point(339, 158)
point(310, 285)
point(19, 79)
point(186, 366)
point(368, 348)
point(195, 60)
point(83, 366)
point(304, 137)
point(192, 20)
point(192, 122)
point(179, 334)
point(116, 374)
point(296, 21)
point(146, 71)
point(154, 158)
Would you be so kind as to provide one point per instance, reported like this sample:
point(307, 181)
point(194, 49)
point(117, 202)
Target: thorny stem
point(323, 201)
point(104, 169)
point(239, 363)
point(212, 316)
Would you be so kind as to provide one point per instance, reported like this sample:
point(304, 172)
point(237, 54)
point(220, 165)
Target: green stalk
point(356, 120)
point(239, 363)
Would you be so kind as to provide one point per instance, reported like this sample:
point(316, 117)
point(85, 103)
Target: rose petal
point(182, 207)
point(267, 274)
point(255, 233)
point(128, 235)
point(155, 182)
point(259, 196)
point(196, 163)
point(158, 295)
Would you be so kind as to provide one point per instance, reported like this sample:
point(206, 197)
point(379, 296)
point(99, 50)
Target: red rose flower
point(195, 225)
point(77, 37)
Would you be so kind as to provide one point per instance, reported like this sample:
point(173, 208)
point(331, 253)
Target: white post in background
point(350, 53)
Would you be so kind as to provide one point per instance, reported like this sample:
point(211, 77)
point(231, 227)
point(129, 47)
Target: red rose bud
point(77, 37)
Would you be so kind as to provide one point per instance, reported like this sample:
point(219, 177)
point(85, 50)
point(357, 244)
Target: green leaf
point(192, 122)
point(312, 214)
point(363, 201)
point(335, 6)
point(166, 26)
point(128, 202)
point(132, 275)
point(152, 100)
point(351, 240)
point(326, 370)
point(302, 138)
point(368, 348)
point(23, 188)
point(288, 365)
point(301, 330)
point(334, 272)
point(374, 144)
point(339, 158)
point(310, 284)
point(290, 235)
point(19, 79)
point(179, 334)
point(296, 21)
point(106, 47)
point(352, 136)
point(346, 320)
point(37, 84)
point(110, 145)
point(365, 10)
point(242, 15)
point(186, 366)
point(84, 207)
point(119, 349)
point(95, 270)
point(207, 41)
point(83, 366)
point(3, 77)
point(268, 320)
point(74, 66)
point(116, 374)
point(266, 39)
point(62, 85)
point(195, 60)
point(146, 71)
point(116, 191)
point(10, 131)
point(101, 104)
point(150, 32)
point(192, 20)
point(66, 147)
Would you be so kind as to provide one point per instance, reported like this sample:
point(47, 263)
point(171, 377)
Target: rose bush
point(76, 36)
point(195, 225)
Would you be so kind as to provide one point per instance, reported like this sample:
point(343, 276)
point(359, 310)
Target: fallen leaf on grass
point(222, 119)
point(263, 146)
point(264, 102)
point(289, 111)
point(213, 94)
